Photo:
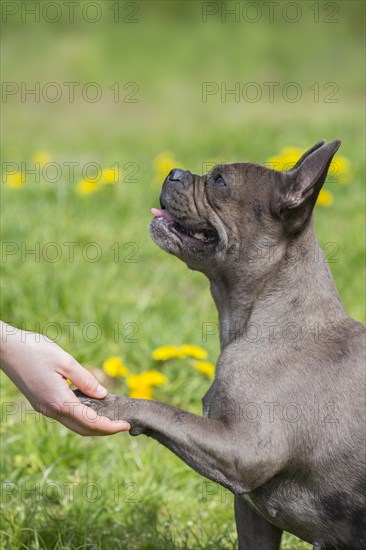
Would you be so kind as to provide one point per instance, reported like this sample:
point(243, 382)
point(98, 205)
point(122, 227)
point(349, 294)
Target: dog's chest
point(216, 403)
point(285, 507)
point(309, 514)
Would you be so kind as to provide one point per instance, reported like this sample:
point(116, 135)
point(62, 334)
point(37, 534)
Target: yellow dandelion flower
point(325, 198)
point(204, 367)
point(163, 164)
point(133, 381)
point(166, 352)
point(15, 181)
point(113, 366)
point(340, 169)
point(190, 350)
point(153, 378)
point(142, 392)
point(145, 379)
point(109, 176)
point(178, 352)
point(86, 187)
point(286, 159)
point(42, 158)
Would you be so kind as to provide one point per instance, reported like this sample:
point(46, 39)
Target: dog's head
point(212, 220)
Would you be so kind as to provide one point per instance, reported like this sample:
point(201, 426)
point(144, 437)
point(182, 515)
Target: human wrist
point(9, 336)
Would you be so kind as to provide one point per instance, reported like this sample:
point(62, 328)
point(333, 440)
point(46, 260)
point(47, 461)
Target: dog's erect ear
point(308, 152)
point(294, 198)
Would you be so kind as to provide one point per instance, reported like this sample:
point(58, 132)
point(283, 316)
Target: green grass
point(160, 502)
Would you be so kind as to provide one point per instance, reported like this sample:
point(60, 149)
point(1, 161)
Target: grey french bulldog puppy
point(284, 420)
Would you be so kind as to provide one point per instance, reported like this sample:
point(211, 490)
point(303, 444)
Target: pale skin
point(39, 368)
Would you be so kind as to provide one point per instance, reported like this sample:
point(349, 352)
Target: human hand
point(39, 368)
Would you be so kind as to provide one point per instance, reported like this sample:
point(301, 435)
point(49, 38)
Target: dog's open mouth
point(198, 236)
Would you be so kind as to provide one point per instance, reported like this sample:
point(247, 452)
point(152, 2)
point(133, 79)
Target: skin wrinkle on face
point(222, 232)
point(195, 202)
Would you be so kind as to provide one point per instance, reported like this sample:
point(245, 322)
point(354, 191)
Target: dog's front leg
point(254, 532)
point(205, 444)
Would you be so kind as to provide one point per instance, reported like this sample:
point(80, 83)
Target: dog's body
point(284, 420)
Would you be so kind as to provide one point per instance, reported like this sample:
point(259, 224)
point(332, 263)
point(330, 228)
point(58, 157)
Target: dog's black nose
point(175, 174)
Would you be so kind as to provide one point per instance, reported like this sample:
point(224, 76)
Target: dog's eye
point(219, 181)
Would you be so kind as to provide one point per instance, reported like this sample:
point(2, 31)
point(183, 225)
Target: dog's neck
point(297, 294)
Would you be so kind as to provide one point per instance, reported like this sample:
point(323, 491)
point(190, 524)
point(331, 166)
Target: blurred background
point(100, 100)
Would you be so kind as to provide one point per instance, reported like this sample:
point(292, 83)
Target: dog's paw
point(113, 406)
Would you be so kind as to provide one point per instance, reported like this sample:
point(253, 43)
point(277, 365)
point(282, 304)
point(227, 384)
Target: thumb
point(86, 382)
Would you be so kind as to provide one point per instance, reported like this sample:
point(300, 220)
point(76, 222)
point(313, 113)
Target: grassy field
point(124, 296)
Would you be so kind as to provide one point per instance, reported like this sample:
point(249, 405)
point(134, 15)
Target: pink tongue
point(162, 214)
